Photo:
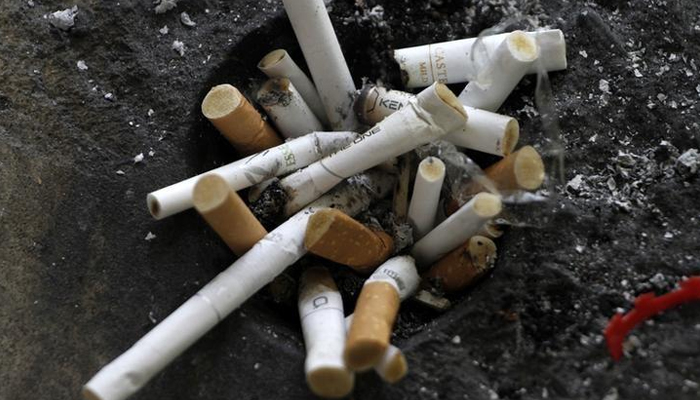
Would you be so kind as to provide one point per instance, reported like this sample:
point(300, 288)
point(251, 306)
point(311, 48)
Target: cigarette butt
point(333, 235)
point(376, 310)
point(287, 109)
point(426, 195)
point(227, 214)
point(463, 265)
point(522, 170)
point(323, 325)
point(400, 198)
point(393, 365)
point(236, 119)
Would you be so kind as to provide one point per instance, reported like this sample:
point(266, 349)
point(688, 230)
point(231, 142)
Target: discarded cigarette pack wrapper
point(314, 31)
point(484, 131)
point(227, 214)
point(287, 109)
point(323, 325)
point(393, 365)
point(376, 310)
point(279, 64)
point(231, 113)
point(453, 62)
point(429, 116)
point(456, 229)
point(256, 268)
point(508, 65)
point(280, 160)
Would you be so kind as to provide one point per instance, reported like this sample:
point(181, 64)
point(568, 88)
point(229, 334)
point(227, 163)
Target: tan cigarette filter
point(334, 235)
point(393, 366)
point(236, 119)
point(521, 170)
point(371, 328)
point(226, 213)
point(463, 265)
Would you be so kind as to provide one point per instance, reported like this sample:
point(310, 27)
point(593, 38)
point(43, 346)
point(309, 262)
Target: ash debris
point(64, 19)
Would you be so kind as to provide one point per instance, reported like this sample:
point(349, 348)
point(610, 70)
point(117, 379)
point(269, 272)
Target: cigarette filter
point(508, 65)
point(239, 122)
point(323, 325)
point(226, 213)
point(279, 64)
point(336, 236)
point(314, 31)
point(430, 116)
point(453, 62)
point(287, 109)
point(522, 170)
point(463, 265)
point(279, 160)
point(393, 365)
point(376, 310)
point(456, 229)
point(484, 130)
point(268, 258)
point(426, 196)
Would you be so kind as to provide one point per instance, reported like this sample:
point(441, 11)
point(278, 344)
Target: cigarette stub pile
point(334, 152)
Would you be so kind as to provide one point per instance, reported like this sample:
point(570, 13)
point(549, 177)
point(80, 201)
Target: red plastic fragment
point(646, 306)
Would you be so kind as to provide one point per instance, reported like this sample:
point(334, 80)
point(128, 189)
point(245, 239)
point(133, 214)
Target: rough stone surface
point(79, 284)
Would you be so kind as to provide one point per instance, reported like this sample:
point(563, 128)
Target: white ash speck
point(179, 47)
point(688, 163)
point(151, 153)
point(65, 19)
point(659, 279)
point(30, 3)
point(165, 5)
point(583, 53)
point(120, 172)
point(661, 97)
point(150, 112)
point(579, 249)
point(256, 366)
point(81, 65)
point(109, 96)
point(150, 236)
point(604, 86)
point(637, 73)
point(186, 20)
point(138, 158)
point(456, 339)
point(164, 30)
point(668, 235)
point(151, 317)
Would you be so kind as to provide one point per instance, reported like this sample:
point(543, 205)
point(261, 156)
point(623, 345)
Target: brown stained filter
point(521, 170)
point(465, 264)
point(371, 326)
point(226, 213)
point(332, 383)
point(238, 120)
point(333, 235)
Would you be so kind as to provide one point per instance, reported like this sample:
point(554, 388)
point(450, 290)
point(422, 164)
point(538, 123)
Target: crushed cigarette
point(64, 19)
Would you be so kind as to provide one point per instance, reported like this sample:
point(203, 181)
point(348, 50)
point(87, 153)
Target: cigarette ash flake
point(63, 19)
point(164, 6)
point(179, 47)
point(81, 65)
point(138, 158)
point(186, 20)
point(164, 30)
point(149, 236)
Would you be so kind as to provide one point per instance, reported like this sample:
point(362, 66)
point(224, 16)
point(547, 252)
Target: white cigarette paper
point(279, 160)
point(484, 131)
point(279, 64)
point(287, 109)
point(387, 367)
point(400, 272)
point(323, 326)
point(453, 62)
point(314, 31)
point(426, 196)
point(508, 65)
point(456, 229)
point(251, 272)
point(429, 116)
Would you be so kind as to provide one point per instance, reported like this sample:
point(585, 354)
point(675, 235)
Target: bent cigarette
point(226, 213)
point(484, 131)
point(334, 235)
point(376, 310)
point(463, 265)
point(239, 122)
point(432, 114)
point(251, 272)
point(426, 195)
point(314, 31)
point(323, 326)
point(453, 62)
point(393, 365)
point(279, 64)
point(456, 229)
point(508, 65)
point(254, 169)
point(287, 109)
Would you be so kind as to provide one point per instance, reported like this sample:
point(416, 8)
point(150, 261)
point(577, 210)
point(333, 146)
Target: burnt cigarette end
point(275, 91)
point(332, 383)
